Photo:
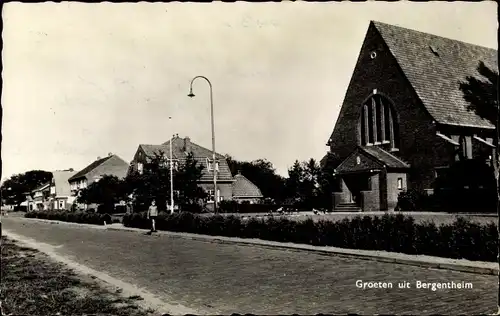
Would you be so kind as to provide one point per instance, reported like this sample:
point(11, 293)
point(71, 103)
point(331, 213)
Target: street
point(223, 279)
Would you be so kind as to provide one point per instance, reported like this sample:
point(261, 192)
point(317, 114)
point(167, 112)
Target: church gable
point(358, 161)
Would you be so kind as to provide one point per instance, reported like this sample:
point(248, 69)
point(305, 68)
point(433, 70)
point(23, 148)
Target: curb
point(379, 256)
point(54, 222)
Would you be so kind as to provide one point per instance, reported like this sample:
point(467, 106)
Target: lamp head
point(191, 94)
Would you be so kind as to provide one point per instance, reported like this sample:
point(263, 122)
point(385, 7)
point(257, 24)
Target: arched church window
point(379, 123)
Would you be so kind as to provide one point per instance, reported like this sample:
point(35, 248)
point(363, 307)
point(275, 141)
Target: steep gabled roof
point(113, 169)
point(60, 180)
point(41, 187)
point(92, 166)
point(244, 188)
point(388, 159)
point(200, 154)
point(435, 66)
point(369, 158)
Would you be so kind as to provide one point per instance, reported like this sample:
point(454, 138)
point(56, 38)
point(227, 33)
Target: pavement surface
point(215, 278)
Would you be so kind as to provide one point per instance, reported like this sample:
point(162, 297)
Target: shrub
point(410, 201)
point(74, 217)
point(398, 233)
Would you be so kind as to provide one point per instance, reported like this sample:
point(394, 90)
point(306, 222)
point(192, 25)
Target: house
point(404, 119)
point(60, 191)
point(181, 147)
point(111, 165)
point(38, 199)
point(53, 195)
point(245, 191)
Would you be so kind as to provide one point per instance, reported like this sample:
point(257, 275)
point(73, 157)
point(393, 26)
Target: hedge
point(396, 233)
point(74, 217)
point(459, 200)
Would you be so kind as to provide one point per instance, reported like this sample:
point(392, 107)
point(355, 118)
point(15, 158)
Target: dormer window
point(379, 123)
point(434, 50)
point(210, 165)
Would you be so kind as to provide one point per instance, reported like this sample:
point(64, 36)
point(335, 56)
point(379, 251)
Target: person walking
point(152, 214)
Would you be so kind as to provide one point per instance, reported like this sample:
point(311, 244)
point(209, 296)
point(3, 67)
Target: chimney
point(110, 154)
point(71, 170)
point(98, 157)
point(187, 144)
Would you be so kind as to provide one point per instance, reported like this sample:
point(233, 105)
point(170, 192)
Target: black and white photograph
point(233, 158)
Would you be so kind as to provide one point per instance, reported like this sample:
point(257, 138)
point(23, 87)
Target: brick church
point(404, 118)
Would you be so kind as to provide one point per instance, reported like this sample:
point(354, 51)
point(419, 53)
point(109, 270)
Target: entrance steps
point(347, 207)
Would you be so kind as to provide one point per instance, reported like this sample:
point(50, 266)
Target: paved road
point(224, 279)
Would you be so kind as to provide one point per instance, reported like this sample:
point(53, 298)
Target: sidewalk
point(462, 265)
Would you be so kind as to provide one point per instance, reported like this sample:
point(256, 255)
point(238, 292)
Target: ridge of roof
point(90, 167)
point(435, 66)
point(383, 24)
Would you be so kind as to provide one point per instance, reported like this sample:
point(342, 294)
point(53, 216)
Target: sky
point(83, 80)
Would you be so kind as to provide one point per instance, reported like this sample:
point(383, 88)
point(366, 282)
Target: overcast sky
point(82, 80)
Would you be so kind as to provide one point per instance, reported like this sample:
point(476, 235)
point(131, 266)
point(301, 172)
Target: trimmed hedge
point(459, 200)
point(397, 233)
point(74, 217)
point(245, 207)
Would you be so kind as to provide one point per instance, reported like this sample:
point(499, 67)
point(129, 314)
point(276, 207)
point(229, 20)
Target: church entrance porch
point(370, 180)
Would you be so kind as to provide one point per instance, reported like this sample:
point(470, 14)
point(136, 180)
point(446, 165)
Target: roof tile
point(436, 78)
point(244, 188)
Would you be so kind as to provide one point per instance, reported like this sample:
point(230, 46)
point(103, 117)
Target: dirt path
point(126, 289)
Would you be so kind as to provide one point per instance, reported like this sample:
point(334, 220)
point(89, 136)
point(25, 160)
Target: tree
point(108, 191)
point(327, 181)
point(186, 179)
point(303, 183)
point(15, 188)
point(482, 94)
point(261, 173)
point(483, 98)
point(152, 184)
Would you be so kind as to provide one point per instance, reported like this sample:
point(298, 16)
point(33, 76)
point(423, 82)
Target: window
point(61, 205)
point(400, 183)
point(210, 197)
point(466, 146)
point(210, 165)
point(378, 122)
point(175, 164)
point(140, 168)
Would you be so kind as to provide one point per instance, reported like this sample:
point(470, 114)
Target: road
point(223, 279)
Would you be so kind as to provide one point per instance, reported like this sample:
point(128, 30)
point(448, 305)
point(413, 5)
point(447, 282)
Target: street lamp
point(171, 175)
point(191, 95)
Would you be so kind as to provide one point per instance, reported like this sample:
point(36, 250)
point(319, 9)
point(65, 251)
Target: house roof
point(60, 180)
point(369, 158)
point(41, 187)
point(83, 173)
point(385, 157)
point(436, 77)
point(200, 154)
point(244, 188)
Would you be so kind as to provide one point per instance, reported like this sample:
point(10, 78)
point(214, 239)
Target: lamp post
point(171, 175)
point(191, 94)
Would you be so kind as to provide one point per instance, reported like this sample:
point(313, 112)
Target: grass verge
point(33, 284)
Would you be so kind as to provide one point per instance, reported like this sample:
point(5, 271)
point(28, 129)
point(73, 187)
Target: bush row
point(245, 207)
point(74, 217)
point(458, 200)
point(396, 233)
